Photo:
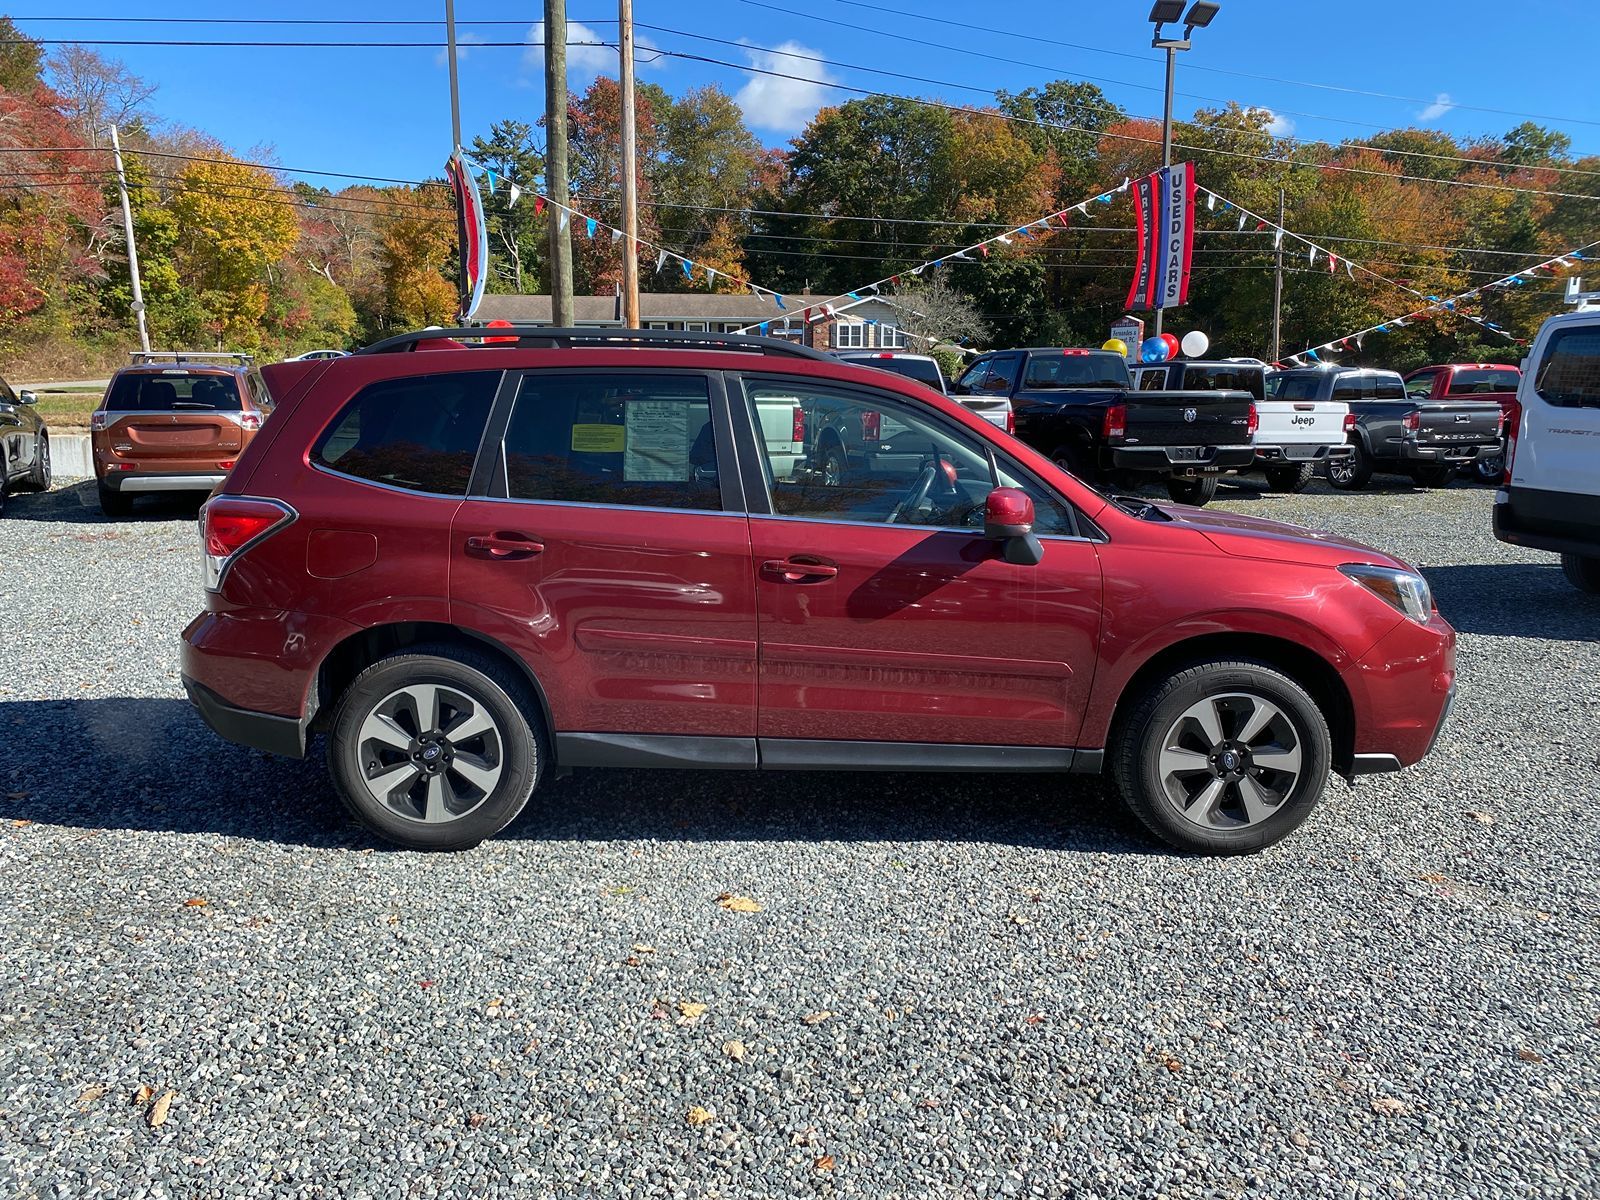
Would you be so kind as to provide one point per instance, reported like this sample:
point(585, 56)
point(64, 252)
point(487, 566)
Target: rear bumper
point(1292, 453)
point(258, 730)
point(1553, 521)
point(1173, 460)
point(1402, 690)
point(1411, 452)
point(132, 481)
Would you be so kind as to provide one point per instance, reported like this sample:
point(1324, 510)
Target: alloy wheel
point(1230, 761)
point(430, 753)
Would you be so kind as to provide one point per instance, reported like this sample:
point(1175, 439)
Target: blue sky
point(385, 112)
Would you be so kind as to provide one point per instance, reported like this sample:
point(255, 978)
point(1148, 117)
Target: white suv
point(1550, 497)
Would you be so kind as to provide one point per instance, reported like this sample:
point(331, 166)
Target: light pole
point(1170, 12)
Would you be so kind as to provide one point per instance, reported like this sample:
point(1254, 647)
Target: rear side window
point(1569, 373)
point(1484, 379)
point(173, 391)
point(1153, 381)
point(1365, 387)
point(420, 433)
point(638, 440)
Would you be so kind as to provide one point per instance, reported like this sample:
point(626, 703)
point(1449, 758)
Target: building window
point(694, 327)
point(850, 335)
point(890, 337)
point(658, 324)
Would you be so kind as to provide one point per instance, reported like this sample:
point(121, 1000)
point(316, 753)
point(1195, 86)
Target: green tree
point(20, 59)
point(514, 242)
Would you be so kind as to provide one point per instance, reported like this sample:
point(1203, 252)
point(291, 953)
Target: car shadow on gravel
point(151, 765)
point(77, 504)
point(1526, 600)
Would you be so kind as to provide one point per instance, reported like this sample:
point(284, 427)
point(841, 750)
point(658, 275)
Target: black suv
point(24, 444)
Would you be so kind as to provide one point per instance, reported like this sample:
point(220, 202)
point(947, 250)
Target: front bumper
point(1177, 460)
point(1401, 691)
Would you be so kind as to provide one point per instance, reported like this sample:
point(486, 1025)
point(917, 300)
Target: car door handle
point(503, 546)
point(792, 570)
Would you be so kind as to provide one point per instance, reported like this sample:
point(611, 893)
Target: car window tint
point(923, 370)
point(173, 391)
point(974, 377)
point(1153, 381)
point(1079, 370)
point(1569, 373)
point(1297, 387)
point(420, 433)
point(1479, 380)
point(1225, 377)
point(1366, 387)
point(613, 439)
point(876, 459)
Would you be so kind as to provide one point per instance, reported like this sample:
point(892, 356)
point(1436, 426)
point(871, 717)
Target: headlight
point(1404, 591)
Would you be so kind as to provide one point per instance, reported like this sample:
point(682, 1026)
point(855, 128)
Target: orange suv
point(174, 422)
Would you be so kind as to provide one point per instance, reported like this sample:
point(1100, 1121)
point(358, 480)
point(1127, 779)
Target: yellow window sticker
point(599, 439)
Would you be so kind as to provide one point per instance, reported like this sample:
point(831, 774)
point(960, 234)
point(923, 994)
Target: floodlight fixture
point(1201, 14)
point(1166, 11)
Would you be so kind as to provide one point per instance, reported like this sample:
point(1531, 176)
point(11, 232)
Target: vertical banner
point(1163, 205)
point(472, 235)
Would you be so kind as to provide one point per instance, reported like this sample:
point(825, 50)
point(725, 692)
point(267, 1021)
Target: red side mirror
point(1007, 513)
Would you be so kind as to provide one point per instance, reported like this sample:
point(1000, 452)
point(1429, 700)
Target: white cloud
point(783, 105)
point(463, 42)
point(1441, 105)
point(585, 62)
point(1277, 124)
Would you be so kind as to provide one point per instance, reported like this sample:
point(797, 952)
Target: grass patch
point(68, 410)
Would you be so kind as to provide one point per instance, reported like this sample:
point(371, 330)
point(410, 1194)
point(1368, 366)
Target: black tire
point(1139, 741)
point(1197, 491)
point(1489, 468)
point(1582, 572)
point(516, 753)
point(1432, 475)
point(1290, 479)
point(39, 477)
point(4, 483)
point(113, 503)
point(1075, 461)
point(833, 464)
point(1352, 473)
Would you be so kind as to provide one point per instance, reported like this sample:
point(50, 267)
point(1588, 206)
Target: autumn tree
point(415, 247)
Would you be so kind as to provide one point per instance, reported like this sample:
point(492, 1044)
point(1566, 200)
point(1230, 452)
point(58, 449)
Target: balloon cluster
point(1159, 348)
point(1164, 346)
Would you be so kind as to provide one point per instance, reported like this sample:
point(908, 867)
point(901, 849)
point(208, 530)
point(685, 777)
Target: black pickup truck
point(1429, 440)
point(1080, 408)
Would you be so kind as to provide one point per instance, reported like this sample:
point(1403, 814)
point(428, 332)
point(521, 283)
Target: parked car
point(921, 367)
point(1080, 408)
point(24, 444)
point(174, 422)
point(318, 355)
point(1551, 495)
point(1472, 381)
point(1424, 439)
point(476, 568)
point(1293, 437)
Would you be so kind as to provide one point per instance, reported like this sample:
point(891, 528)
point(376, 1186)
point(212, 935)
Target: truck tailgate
point(1189, 418)
point(1458, 422)
point(1301, 422)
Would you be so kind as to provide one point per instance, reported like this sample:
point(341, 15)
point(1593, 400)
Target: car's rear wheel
point(5, 483)
point(1223, 757)
point(436, 748)
point(1290, 479)
point(1196, 491)
point(1352, 472)
point(1489, 468)
point(112, 502)
point(1433, 475)
point(1582, 572)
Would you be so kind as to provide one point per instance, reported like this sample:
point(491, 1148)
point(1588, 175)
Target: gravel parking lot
point(954, 987)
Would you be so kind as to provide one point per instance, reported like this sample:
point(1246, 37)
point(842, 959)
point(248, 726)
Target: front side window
point(878, 460)
point(420, 433)
point(973, 379)
point(641, 440)
point(1420, 387)
point(1569, 373)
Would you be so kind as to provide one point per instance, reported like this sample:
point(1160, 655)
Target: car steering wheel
point(920, 489)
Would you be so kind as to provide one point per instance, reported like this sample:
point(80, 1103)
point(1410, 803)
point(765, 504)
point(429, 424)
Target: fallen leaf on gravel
point(1019, 919)
point(492, 1009)
point(1530, 1056)
point(738, 904)
point(698, 1116)
point(1434, 877)
point(142, 1094)
point(658, 1013)
point(690, 1010)
point(643, 948)
point(734, 1050)
point(91, 1093)
point(1482, 818)
point(825, 1163)
point(195, 902)
point(1035, 1019)
point(1172, 1063)
point(1300, 1139)
point(18, 795)
point(476, 1120)
point(424, 984)
point(816, 1018)
point(1388, 1106)
point(159, 1110)
point(19, 822)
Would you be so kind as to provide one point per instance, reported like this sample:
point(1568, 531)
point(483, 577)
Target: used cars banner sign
point(1163, 208)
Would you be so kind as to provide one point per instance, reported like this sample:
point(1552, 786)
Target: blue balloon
point(1154, 350)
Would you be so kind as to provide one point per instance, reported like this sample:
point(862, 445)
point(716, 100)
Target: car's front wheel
point(1581, 572)
point(1433, 475)
point(39, 477)
point(1223, 757)
point(1290, 478)
point(435, 748)
point(1352, 472)
point(112, 502)
point(1196, 491)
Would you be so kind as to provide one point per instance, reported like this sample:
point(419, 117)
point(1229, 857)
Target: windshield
point(173, 391)
point(923, 370)
point(1076, 370)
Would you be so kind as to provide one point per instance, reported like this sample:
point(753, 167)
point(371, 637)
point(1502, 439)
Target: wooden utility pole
point(1277, 288)
point(630, 173)
point(555, 166)
point(133, 251)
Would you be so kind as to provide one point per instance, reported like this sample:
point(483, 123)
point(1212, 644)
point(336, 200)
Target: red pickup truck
point(1472, 381)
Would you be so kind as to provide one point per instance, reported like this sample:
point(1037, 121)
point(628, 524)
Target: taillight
point(1512, 421)
point(1114, 425)
point(1349, 423)
point(1412, 421)
point(872, 426)
point(98, 420)
point(1254, 423)
point(797, 432)
point(230, 525)
point(1011, 421)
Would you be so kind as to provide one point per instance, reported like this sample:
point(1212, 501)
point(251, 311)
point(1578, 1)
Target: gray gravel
point(1027, 996)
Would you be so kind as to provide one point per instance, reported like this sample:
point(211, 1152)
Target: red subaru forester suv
point(472, 565)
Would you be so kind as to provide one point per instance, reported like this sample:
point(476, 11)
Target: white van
point(1550, 497)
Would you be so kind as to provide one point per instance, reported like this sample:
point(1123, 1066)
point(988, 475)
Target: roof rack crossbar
point(544, 337)
point(146, 356)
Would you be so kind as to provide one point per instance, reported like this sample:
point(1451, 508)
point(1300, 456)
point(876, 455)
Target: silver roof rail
point(137, 357)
